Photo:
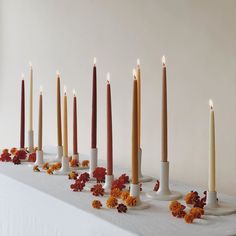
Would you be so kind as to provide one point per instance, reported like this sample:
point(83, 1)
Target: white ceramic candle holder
point(216, 208)
point(39, 158)
point(59, 154)
point(31, 141)
point(135, 192)
point(164, 193)
point(142, 178)
point(108, 183)
point(93, 161)
point(65, 168)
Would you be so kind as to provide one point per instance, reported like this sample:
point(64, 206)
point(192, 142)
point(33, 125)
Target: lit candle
point(31, 99)
point(211, 179)
point(65, 128)
point(164, 139)
point(59, 133)
point(40, 131)
point(22, 117)
point(94, 108)
point(135, 131)
point(75, 142)
point(139, 102)
point(109, 129)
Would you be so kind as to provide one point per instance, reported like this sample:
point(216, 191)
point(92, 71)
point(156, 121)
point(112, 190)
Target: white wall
point(198, 38)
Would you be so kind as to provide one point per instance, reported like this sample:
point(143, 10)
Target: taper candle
point(65, 126)
point(109, 129)
point(40, 128)
point(164, 140)
point(59, 133)
point(31, 99)
point(94, 108)
point(75, 141)
point(135, 131)
point(22, 116)
point(139, 102)
point(211, 179)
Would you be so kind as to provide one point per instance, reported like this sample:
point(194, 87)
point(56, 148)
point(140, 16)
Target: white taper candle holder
point(93, 161)
point(65, 168)
point(216, 208)
point(59, 154)
point(39, 158)
point(142, 178)
point(135, 192)
point(31, 141)
point(108, 183)
point(164, 193)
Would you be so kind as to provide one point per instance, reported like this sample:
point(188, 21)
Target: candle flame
point(65, 89)
point(163, 60)
point(74, 92)
point(22, 76)
point(58, 74)
point(41, 89)
point(138, 62)
point(211, 103)
point(108, 77)
point(94, 61)
point(134, 73)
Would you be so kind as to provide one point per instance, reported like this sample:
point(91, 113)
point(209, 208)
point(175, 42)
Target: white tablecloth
point(38, 204)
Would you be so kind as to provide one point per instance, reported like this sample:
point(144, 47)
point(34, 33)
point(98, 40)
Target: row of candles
point(136, 122)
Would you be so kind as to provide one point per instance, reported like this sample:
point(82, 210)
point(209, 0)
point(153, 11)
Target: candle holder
point(164, 193)
point(39, 158)
point(216, 208)
point(142, 178)
point(135, 192)
point(93, 161)
point(108, 183)
point(31, 141)
point(65, 168)
point(59, 154)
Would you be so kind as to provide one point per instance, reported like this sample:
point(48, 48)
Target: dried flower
point(84, 177)
point(116, 192)
point(46, 166)
point(121, 208)
point(96, 204)
point(194, 199)
point(197, 212)
point(189, 218)
point(5, 156)
point(157, 186)
point(77, 186)
point(97, 190)
point(112, 202)
point(73, 175)
point(50, 171)
point(13, 151)
point(16, 160)
point(174, 205)
point(124, 178)
point(99, 173)
point(36, 169)
point(57, 165)
point(85, 163)
point(124, 195)
point(74, 163)
point(21, 154)
point(131, 201)
point(117, 184)
point(32, 157)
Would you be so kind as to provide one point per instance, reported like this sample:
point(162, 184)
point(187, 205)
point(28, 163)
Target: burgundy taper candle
point(109, 129)
point(22, 116)
point(75, 141)
point(94, 108)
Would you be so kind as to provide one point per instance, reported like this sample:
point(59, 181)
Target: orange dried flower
point(189, 218)
point(97, 190)
point(131, 201)
point(190, 197)
point(124, 195)
point(36, 169)
point(5, 151)
point(57, 165)
point(13, 151)
point(96, 204)
point(174, 205)
point(50, 171)
point(73, 175)
point(116, 192)
point(74, 163)
point(85, 163)
point(197, 212)
point(46, 166)
point(112, 202)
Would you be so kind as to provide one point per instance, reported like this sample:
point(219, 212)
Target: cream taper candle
point(65, 126)
point(31, 98)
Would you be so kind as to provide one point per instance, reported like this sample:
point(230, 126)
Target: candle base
point(75, 157)
point(142, 178)
point(59, 154)
point(216, 208)
point(39, 158)
point(108, 183)
point(31, 141)
point(93, 161)
point(164, 193)
point(135, 192)
point(65, 168)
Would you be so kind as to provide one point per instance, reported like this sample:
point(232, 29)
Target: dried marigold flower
point(96, 204)
point(174, 205)
point(5, 156)
point(189, 218)
point(124, 178)
point(97, 190)
point(21, 154)
point(46, 166)
point(13, 151)
point(36, 169)
point(131, 201)
point(124, 195)
point(16, 160)
point(112, 202)
point(121, 208)
point(157, 186)
point(50, 171)
point(84, 177)
point(5, 150)
point(116, 192)
point(117, 184)
point(191, 197)
point(74, 163)
point(32, 157)
point(99, 173)
point(57, 165)
point(85, 163)
point(179, 213)
point(77, 186)
point(72, 175)
point(197, 212)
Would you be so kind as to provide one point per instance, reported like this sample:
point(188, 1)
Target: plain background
point(199, 41)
